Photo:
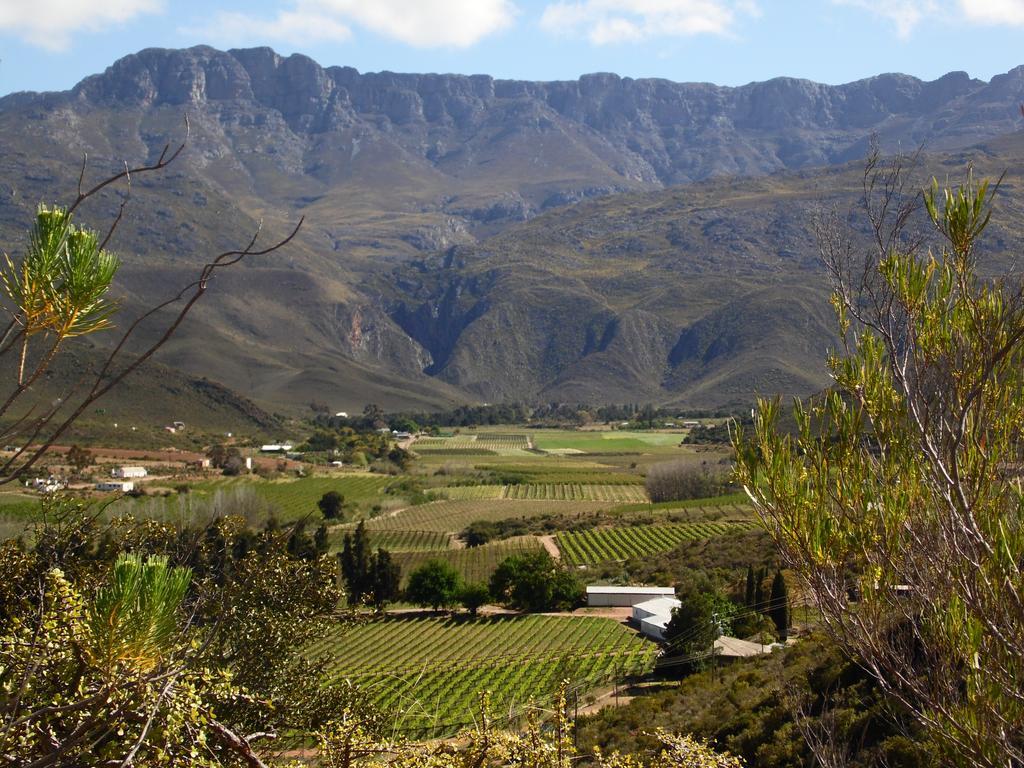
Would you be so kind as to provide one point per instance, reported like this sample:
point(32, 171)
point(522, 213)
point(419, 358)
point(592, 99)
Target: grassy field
point(453, 516)
point(602, 545)
point(428, 670)
point(488, 443)
point(605, 441)
point(476, 564)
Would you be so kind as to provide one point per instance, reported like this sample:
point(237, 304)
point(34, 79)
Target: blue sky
point(51, 44)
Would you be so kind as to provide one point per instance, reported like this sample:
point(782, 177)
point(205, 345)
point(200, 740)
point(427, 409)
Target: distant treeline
point(554, 413)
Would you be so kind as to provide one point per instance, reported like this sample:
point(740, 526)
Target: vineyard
point(470, 492)
point(409, 541)
point(577, 492)
point(453, 516)
point(476, 564)
point(426, 672)
point(469, 444)
point(602, 545)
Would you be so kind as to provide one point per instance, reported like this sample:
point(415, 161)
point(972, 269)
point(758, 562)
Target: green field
point(615, 493)
point(476, 564)
point(410, 541)
point(612, 441)
point(467, 444)
point(425, 672)
point(453, 516)
point(602, 545)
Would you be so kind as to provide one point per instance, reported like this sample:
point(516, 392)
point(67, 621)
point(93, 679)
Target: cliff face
point(655, 131)
point(468, 237)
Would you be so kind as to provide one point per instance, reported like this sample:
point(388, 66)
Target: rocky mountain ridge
point(471, 238)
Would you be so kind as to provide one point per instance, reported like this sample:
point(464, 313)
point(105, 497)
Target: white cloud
point(904, 14)
point(993, 11)
point(296, 26)
point(423, 23)
point(51, 24)
point(627, 21)
point(428, 23)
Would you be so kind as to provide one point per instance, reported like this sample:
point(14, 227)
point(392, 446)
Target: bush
point(436, 584)
point(681, 480)
point(535, 582)
point(473, 596)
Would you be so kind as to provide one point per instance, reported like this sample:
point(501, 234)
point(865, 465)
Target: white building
point(276, 448)
point(126, 472)
point(624, 597)
point(654, 615)
point(122, 486)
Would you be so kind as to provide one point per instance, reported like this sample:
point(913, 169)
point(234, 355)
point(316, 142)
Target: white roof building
point(625, 597)
point(654, 615)
point(123, 486)
point(128, 472)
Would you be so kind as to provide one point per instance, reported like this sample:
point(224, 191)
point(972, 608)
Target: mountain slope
point(446, 253)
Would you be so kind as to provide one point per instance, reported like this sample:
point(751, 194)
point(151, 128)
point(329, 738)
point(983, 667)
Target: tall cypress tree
point(778, 610)
point(759, 599)
point(386, 577)
point(748, 595)
point(355, 564)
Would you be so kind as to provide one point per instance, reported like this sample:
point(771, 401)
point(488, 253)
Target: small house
point(653, 616)
point(127, 472)
point(121, 486)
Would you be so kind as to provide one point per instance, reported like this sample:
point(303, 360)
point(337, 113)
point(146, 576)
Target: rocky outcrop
point(676, 132)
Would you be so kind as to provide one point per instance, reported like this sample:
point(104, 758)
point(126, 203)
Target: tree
point(701, 618)
point(778, 607)
point(355, 564)
point(386, 579)
point(899, 488)
point(534, 582)
point(479, 532)
point(331, 505)
point(749, 591)
point(436, 584)
point(58, 291)
point(79, 458)
point(473, 596)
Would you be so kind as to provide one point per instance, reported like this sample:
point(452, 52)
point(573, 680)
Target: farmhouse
point(654, 615)
point(624, 597)
point(126, 472)
point(123, 486)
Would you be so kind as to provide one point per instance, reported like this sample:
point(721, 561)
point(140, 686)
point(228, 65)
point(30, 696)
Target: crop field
point(476, 564)
point(470, 492)
point(602, 545)
point(425, 673)
point(623, 493)
point(611, 441)
point(410, 541)
point(494, 443)
point(564, 472)
point(453, 516)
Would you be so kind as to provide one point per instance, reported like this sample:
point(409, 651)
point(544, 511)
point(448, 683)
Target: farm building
point(733, 648)
point(276, 448)
point(126, 472)
point(123, 486)
point(625, 597)
point(654, 615)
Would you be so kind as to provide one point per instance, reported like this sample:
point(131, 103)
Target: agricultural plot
point(453, 516)
point(620, 493)
point(297, 498)
point(467, 444)
point(410, 541)
point(611, 441)
point(470, 492)
point(602, 545)
point(476, 564)
point(564, 472)
point(425, 673)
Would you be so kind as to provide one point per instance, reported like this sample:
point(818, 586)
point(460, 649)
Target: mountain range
point(473, 239)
